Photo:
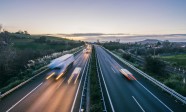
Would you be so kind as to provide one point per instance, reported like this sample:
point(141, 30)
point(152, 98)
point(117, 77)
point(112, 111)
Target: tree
point(127, 56)
point(166, 44)
point(26, 32)
point(19, 32)
point(154, 65)
point(5, 37)
point(158, 43)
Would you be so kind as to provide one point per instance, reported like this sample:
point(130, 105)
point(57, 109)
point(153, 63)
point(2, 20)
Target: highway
point(41, 95)
point(123, 95)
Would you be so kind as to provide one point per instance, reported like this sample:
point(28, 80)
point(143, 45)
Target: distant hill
point(149, 41)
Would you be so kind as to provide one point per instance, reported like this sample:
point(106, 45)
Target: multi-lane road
point(122, 95)
point(41, 95)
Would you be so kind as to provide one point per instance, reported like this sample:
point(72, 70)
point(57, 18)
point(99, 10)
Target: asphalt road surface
point(41, 95)
point(123, 95)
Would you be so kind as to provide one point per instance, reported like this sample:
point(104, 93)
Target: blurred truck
point(62, 63)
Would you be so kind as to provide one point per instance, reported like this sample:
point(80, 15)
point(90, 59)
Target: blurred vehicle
point(127, 74)
point(75, 73)
point(87, 49)
point(62, 63)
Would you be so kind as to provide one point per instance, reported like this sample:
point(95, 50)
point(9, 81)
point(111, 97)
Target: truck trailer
point(62, 63)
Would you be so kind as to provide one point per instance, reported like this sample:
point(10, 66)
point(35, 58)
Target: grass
point(179, 60)
point(176, 82)
point(20, 48)
point(95, 94)
point(173, 81)
point(29, 43)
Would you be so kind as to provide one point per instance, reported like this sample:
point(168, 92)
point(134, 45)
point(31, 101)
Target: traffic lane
point(77, 100)
point(18, 94)
point(120, 97)
point(144, 90)
point(132, 91)
point(15, 96)
point(66, 93)
point(167, 99)
point(49, 99)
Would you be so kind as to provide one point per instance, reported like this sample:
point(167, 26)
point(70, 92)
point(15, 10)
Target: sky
point(94, 16)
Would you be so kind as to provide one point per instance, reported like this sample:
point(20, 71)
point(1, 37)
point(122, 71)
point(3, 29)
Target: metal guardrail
point(23, 83)
point(168, 67)
point(100, 85)
point(156, 82)
point(83, 96)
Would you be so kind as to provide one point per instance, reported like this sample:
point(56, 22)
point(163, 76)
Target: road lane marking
point(23, 98)
point(80, 109)
point(155, 96)
point(105, 86)
point(61, 82)
point(113, 70)
point(105, 108)
point(77, 58)
point(149, 91)
point(78, 87)
point(138, 104)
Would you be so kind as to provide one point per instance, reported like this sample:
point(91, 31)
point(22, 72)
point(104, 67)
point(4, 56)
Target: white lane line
point(23, 98)
point(151, 93)
point(84, 86)
point(113, 70)
point(78, 88)
point(61, 82)
point(105, 86)
point(111, 60)
point(78, 57)
point(155, 97)
point(138, 104)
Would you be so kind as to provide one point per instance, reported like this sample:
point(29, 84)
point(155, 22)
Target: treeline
point(117, 45)
point(15, 54)
point(145, 57)
point(44, 39)
point(150, 64)
point(165, 47)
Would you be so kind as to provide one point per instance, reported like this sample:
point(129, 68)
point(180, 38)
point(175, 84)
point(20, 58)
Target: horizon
point(128, 17)
point(124, 38)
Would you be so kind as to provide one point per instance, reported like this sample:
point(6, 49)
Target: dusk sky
point(94, 16)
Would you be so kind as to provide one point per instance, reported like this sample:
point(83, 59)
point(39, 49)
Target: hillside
point(149, 41)
point(17, 49)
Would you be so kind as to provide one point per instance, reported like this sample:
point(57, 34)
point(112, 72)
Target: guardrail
point(83, 96)
point(100, 85)
point(23, 83)
point(156, 82)
point(16, 87)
